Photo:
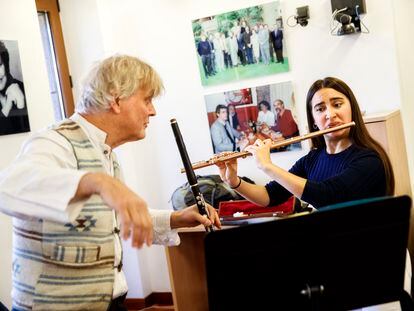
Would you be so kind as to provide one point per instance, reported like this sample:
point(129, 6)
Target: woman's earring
point(315, 127)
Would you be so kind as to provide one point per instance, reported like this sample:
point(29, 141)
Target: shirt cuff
point(163, 234)
point(161, 219)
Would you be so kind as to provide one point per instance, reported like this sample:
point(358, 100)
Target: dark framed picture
point(270, 113)
point(240, 44)
point(13, 113)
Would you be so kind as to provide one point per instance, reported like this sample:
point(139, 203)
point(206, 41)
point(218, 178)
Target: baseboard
point(163, 298)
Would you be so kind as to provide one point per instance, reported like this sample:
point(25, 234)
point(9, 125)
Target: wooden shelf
point(387, 129)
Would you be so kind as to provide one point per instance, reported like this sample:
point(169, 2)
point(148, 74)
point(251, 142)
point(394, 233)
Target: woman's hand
point(261, 152)
point(228, 172)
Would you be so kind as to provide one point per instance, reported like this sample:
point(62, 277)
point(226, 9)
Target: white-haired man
point(66, 194)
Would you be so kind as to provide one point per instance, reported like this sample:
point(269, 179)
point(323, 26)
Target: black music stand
point(342, 257)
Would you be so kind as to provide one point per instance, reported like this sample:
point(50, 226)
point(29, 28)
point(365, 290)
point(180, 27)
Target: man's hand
point(131, 209)
point(243, 142)
point(190, 217)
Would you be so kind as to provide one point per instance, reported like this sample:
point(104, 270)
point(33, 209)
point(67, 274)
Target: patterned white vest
point(67, 266)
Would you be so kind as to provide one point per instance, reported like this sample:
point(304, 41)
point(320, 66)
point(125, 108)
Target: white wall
point(81, 24)
point(18, 21)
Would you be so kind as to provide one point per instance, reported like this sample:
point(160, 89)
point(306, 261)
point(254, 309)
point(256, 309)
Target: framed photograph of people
point(268, 112)
point(240, 44)
point(13, 112)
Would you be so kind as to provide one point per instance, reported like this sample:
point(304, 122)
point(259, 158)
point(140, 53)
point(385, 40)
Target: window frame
point(51, 8)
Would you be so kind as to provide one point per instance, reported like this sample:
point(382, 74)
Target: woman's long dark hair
point(358, 134)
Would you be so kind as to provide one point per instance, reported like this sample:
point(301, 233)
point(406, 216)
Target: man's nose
point(151, 110)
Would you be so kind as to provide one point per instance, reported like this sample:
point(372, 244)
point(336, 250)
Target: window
point(57, 64)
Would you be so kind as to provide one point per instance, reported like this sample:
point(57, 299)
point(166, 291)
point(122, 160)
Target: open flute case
point(243, 212)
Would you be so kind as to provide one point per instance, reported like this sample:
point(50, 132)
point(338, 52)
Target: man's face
point(222, 115)
point(135, 113)
point(3, 76)
point(278, 106)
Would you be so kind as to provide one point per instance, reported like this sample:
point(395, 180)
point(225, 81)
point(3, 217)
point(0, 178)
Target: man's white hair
point(116, 77)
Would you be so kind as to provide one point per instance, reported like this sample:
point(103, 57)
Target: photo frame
point(269, 112)
point(13, 109)
point(240, 44)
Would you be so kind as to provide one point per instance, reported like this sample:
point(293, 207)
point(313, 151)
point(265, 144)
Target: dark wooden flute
point(226, 156)
point(192, 179)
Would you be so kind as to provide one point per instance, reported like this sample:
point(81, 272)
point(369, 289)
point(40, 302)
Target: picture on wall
point(237, 118)
point(13, 113)
point(240, 44)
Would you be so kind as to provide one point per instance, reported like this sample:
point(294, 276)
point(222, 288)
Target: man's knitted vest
point(67, 266)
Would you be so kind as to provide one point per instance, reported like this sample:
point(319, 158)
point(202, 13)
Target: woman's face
point(331, 108)
point(263, 107)
point(3, 76)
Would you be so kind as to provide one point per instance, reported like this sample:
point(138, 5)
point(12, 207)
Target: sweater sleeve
point(363, 178)
point(277, 193)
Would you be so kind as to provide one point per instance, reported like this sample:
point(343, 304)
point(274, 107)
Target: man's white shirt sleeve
point(42, 180)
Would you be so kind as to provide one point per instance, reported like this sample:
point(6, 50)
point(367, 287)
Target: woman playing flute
point(342, 166)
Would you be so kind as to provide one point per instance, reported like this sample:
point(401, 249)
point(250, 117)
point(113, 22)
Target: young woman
point(342, 166)
point(265, 114)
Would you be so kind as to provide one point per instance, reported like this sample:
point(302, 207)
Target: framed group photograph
point(13, 112)
point(240, 44)
point(263, 112)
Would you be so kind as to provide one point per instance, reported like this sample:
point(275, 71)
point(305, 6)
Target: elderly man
point(70, 204)
point(285, 123)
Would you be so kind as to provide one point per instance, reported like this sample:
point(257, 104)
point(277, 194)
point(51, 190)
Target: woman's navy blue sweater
point(352, 174)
